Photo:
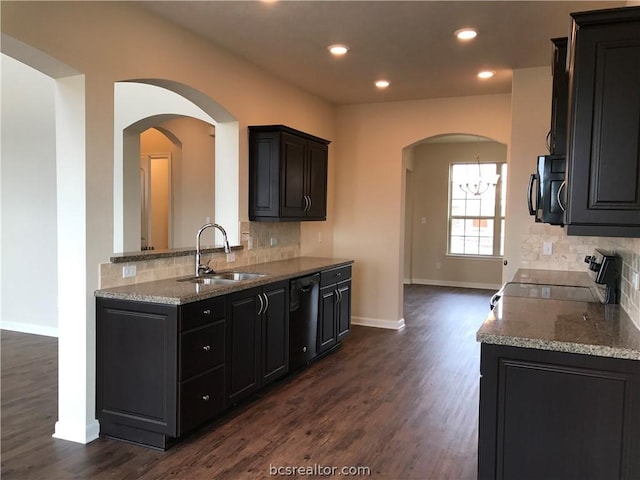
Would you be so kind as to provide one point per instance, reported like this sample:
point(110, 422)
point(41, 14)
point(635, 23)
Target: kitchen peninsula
point(559, 387)
point(174, 354)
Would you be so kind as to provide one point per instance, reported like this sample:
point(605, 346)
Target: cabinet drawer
point(200, 313)
point(335, 275)
point(201, 399)
point(201, 349)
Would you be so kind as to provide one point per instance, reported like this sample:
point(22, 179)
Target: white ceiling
point(410, 43)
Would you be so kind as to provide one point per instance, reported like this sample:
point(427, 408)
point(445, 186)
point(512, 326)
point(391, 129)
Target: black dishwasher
point(303, 320)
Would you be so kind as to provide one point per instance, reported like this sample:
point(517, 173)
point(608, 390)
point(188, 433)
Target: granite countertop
point(172, 292)
point(558, 325)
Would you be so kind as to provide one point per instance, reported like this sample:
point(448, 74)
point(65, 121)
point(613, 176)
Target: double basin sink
point(223, 278)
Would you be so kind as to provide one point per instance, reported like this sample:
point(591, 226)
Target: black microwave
point(544, 194)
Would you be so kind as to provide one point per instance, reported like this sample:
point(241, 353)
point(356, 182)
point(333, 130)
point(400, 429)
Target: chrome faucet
point(200, 268)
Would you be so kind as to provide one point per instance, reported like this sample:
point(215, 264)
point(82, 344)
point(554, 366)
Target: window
point(476, 222)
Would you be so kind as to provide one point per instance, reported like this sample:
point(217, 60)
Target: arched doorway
point(437, 213)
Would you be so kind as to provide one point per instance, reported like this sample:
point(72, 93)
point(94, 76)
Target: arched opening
point(146, 103)
point(453, 237)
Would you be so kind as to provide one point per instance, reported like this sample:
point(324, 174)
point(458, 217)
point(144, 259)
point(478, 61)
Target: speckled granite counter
point(173, 292)
point(563, 326)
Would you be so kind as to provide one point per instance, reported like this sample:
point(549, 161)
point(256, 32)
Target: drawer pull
point(205, 398)
point(206, 348)
point(207, 312)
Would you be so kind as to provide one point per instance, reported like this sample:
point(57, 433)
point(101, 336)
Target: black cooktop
point(552, 292)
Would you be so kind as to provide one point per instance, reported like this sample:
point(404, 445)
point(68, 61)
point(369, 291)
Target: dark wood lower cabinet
point(556, 415)
point(163, 371)
point(275, 333)
point(243, 358)
point(334, 311)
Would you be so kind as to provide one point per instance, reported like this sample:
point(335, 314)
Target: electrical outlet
point(438, 265)
point(547, 248)
point(423, 220)
point(274, 241)
point(128, 271)
point(250, 243)
point(231, 257)
point(319, 237)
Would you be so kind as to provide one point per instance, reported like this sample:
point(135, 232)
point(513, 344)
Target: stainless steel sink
point(238, 276)
point(208, 280)
point(223, 278)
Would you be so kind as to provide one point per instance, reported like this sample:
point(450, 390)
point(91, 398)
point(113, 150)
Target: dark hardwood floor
point(402, 404)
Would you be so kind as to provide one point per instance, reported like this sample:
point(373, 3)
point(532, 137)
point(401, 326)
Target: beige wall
point(369, 218)
point(430, 263)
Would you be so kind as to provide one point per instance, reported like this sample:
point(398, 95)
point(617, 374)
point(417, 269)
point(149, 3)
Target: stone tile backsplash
point(286, 234)
point(569, 252)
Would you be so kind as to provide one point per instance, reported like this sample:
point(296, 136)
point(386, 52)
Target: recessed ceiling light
point(466, 33)
point(486, 74)
point(382, 84)
point(338, 49)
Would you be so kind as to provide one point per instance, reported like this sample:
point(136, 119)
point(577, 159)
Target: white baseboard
point(447, 283)
point(378, 323)
point(29, 328)
point(77, 433)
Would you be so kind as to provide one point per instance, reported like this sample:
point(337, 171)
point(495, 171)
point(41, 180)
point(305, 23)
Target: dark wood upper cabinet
point(603, 177)
point(287, 174)
point(557, 139)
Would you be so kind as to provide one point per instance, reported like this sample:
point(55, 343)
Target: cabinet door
point(264, 175)
point(136, 366)
point(275, 333)
point(541, 415)
point(604, 155)
point(327, 336)
point(293, 184)
point(317, 180)
point(243, 342)
point(344, 309)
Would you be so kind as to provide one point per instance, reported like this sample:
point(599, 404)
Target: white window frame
point(498, 216)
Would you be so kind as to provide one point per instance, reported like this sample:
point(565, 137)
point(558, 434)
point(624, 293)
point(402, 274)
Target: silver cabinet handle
point(562, 185)
point(266, 301)
point(206, 312)
point(310, 202)
point(205, 398)
point(306, 203)
point(206, 348)
point(261, 304)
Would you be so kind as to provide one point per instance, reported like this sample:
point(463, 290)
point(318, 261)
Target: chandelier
point(477, 184)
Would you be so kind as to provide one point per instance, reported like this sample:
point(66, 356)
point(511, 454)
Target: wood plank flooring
point(404, 405)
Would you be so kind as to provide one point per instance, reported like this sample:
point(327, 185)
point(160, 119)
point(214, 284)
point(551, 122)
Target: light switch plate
point(547, 248)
